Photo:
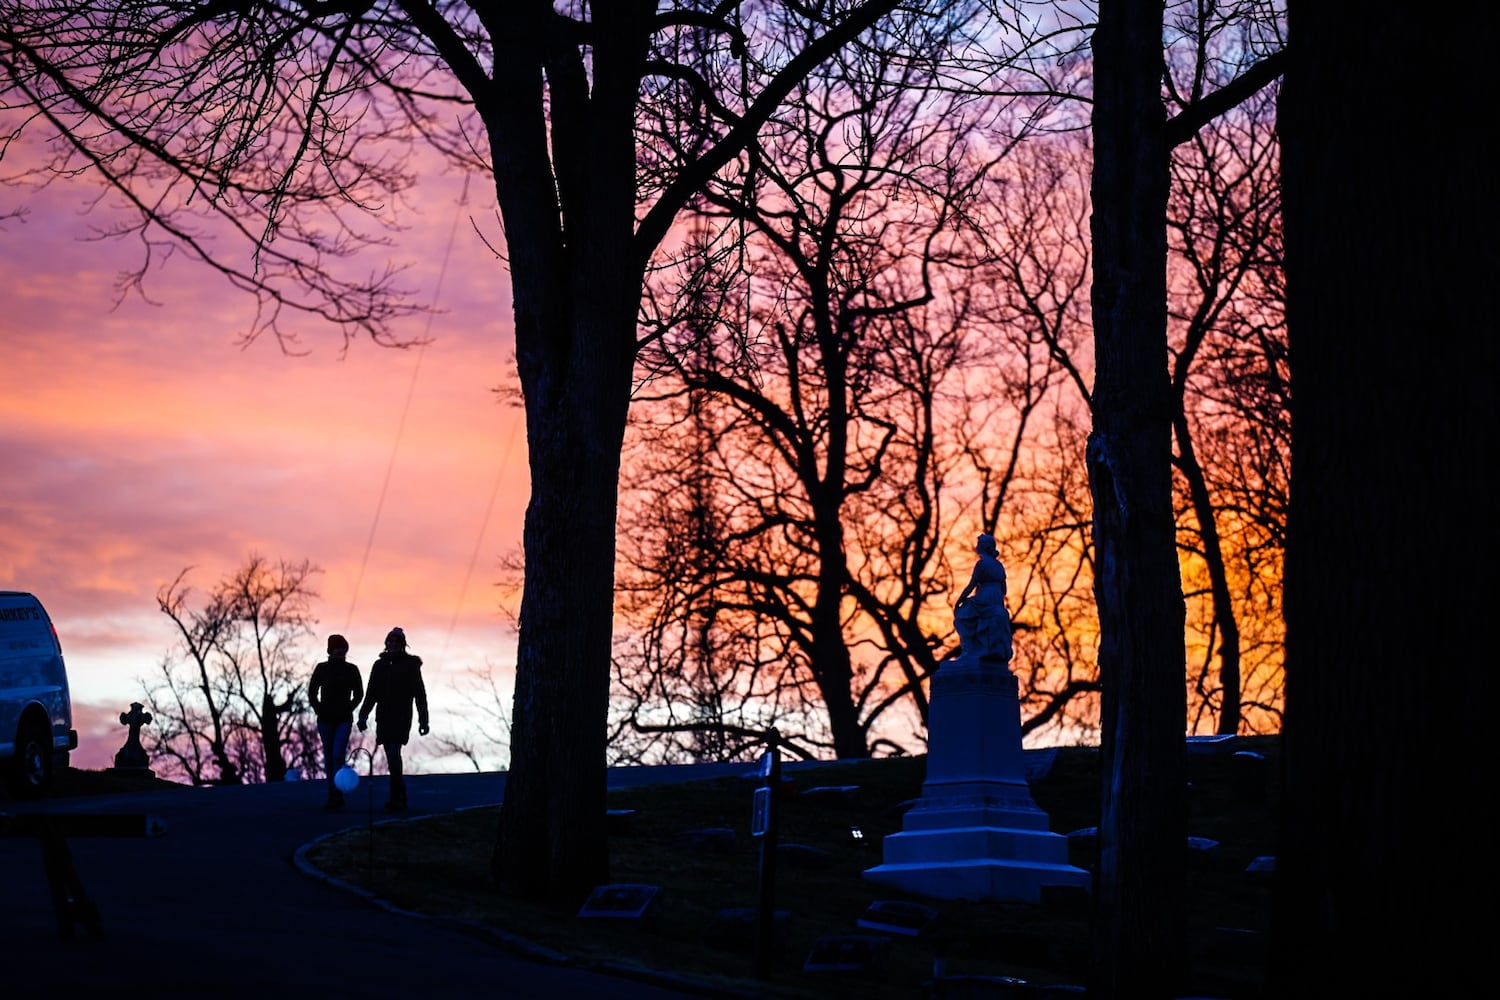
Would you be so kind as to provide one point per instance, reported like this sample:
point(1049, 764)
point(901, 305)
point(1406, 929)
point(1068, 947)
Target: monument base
point(1002, 880)
point(986, 861)
point(976, 833)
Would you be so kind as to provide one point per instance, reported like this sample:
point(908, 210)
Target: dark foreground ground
point(690, 844)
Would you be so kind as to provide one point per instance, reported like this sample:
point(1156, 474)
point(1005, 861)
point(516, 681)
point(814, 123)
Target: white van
point(36, 710)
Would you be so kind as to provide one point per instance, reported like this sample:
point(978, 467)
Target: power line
point(483, 524)
point(463, 201)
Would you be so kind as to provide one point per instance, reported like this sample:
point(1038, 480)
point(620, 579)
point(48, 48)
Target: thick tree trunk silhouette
point(1139, 890)
point(1393, 350)
point(561, 120)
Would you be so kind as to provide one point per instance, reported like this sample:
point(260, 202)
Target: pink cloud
point(141, 439)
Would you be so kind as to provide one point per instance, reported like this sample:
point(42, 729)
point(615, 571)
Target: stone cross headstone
point(132, 756)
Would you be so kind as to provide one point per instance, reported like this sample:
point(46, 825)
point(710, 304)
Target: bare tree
point(231, 696)
point(315, 116)
point(834, 370)
point(1023, 424)
point(1025, 361)
point(312, 110)
point(1230, 420)
point(486, 732)
point(692, 679)
point(191, 710)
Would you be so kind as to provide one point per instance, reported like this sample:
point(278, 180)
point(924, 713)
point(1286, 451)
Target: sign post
point(763, 827)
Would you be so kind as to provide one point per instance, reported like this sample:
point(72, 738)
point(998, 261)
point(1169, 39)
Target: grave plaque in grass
point(833, 794)
point(895, 916)
point(621, 901)
point(1261, 870)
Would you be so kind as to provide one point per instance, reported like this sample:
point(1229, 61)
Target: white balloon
point(345, 779)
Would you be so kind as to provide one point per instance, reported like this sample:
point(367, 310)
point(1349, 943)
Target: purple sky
point(141, 439)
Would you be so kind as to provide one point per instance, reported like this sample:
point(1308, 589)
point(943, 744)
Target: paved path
point(218, 906)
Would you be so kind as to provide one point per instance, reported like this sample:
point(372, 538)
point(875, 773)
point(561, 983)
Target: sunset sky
point(139, 440)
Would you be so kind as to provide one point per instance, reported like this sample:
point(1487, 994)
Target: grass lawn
point(693, 843)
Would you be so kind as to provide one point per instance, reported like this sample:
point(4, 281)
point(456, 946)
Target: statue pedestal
point(976, 833)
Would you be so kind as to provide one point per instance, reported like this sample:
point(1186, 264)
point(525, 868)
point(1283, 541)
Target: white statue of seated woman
point(979, 616)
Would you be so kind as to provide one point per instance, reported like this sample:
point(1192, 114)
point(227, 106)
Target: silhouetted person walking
point(335, 691)
point(395, 684)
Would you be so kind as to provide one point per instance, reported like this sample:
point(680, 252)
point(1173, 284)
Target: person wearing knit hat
point(395, 686)
point(335, 692)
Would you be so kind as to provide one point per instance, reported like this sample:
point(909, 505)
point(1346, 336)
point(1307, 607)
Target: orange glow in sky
point(140, 440)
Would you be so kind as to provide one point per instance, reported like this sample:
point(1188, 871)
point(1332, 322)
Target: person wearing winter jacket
point(395, 686)
point(335, 692)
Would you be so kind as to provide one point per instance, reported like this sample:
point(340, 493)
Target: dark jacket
point(395, 683)
point(334, 691)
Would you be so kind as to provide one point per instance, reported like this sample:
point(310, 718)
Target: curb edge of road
point(514, 943)
point(529, 949)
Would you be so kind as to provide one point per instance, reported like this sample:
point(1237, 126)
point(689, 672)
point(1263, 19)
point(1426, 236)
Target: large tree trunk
point(1393, 352)
point(562, 142)
point(576, 281)
point(1139, 891)
point(551, 841)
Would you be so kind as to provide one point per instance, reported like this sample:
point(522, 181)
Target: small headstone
point(1261, 869)
point(850, 953)
point(621, 901)
point(895, 916)
point(842, 794)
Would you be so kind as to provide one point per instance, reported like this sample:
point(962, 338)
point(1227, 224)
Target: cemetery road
point(219, 904)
